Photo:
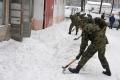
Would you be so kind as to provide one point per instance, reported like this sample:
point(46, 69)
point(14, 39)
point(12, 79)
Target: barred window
point(1, 12)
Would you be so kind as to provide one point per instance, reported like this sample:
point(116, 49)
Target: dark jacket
point(112, 19)
point(103, 16)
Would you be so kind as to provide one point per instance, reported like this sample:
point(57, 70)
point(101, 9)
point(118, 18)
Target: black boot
point(69, 33)
point(75, 70)
point(107, 72)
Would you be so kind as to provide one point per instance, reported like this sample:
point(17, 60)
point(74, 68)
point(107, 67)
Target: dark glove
point(78, 56)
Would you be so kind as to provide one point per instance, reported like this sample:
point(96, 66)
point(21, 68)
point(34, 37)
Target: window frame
point(3, 10)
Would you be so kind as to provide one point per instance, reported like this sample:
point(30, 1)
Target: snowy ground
point(41, 56)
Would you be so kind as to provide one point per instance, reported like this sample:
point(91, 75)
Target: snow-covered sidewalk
point(41, 56)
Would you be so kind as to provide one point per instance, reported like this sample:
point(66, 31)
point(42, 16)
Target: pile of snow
point(95, 6)
point(41, 56)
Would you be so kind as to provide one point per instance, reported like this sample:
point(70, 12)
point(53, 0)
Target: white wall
point(37, 20)
point(38, 9)
point(58, 10)
point(55, 8)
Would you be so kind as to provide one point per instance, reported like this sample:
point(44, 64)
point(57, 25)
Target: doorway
point(20, 18)
point(16, 19)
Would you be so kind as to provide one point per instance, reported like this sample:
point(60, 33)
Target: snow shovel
point(64, 67)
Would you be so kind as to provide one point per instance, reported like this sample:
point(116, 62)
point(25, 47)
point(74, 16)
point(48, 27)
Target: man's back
point(95, 34)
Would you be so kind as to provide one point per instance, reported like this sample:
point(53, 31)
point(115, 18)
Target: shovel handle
point(70, 63)
point(77, 37)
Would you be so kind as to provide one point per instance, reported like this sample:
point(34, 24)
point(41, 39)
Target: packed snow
point(41, 56)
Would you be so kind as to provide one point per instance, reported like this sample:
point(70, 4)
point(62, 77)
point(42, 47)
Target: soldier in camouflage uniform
point(82, 16)
point(75, 21)
point(118, 21)
point(89, 16)
point(118, 25)
point(96, 34)
point(83, 20)
point(103, 16)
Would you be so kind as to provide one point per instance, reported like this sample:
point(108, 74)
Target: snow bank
point(41, 56)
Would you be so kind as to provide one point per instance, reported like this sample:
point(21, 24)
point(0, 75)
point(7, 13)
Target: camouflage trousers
point(91, 50)
point(71, 27)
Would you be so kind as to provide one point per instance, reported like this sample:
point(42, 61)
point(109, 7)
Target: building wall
point(37, 20)
point(4, 26)
point(4, 33)
point(48, 12)
point(58, 11)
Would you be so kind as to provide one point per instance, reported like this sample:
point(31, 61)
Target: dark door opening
point(20, 18)
point(16, 19)
point(27, 15)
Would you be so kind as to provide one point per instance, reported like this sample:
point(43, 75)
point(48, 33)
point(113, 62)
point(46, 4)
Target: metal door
point(16, 19)
point(48, 12)
point(27, 10)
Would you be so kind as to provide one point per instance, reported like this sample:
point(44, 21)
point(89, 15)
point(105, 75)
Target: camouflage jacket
point(93, 33)
point(75, 19)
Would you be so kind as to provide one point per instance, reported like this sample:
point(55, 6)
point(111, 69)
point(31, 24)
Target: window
point(1, 11)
